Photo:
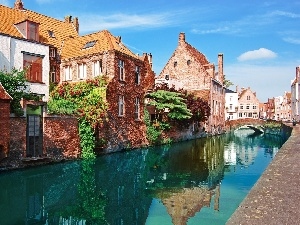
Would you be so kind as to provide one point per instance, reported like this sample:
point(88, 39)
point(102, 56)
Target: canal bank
point(275, 197)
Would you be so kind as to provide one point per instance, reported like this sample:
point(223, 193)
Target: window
point(33, 65)
point(121, 70)
point(97, 68)
point(254, 107)
point(240, 115)
point(248, 97)
point(250, 115)
point(51, 33)
point(68, 73)
point(137, 108)
point(82, 71)
point(188, 62)
point(241, 107)
point(121, 106)
point(89, 44)
point(175, 63)
point(230, 106)
point(248, 106)
point(137, 75)
point(32, 31)
point(52, 52)
point(52, 74)
point(167, 76)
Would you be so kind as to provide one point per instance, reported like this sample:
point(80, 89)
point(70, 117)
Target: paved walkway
point(275, 198)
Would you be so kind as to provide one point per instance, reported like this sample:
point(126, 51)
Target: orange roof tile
point(104, 41)
point(61, 29)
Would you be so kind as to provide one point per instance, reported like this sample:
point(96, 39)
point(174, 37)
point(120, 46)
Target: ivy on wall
point(87, 101)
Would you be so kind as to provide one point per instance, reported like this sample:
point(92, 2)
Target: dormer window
point(51, 33)
point(29, 29)
point(89, 44)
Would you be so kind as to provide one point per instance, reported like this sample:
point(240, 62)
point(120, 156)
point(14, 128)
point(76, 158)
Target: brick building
point(270, 109)
point(129, 75)
point(189, 69)
point(248, 104)
point(4, 122)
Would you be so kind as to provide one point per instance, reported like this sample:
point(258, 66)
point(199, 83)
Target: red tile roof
point(61, 29)
point(104, 41)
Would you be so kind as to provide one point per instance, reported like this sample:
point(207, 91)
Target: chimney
point(181, 38)
point(119, 38)
point(68, 19)
point(76, 24)
point(220, 68)
point(298, 73)
point(19, 5)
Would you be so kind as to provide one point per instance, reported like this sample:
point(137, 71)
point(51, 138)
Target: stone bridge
point(254, 124)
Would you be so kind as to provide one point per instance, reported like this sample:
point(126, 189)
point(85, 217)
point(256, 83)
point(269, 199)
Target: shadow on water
point(120, 188)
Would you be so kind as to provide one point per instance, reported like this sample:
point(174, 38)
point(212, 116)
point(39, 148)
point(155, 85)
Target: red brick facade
point(4, 122)
point(61, 138)
point(189, 69)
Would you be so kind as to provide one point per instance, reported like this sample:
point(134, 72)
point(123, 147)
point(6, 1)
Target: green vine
point(87, 101)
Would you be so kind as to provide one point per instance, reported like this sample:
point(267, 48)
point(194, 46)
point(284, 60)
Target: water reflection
point(186, 178)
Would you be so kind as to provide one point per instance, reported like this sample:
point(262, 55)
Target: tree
point(172, 102)
point(227, 83)
point(15, 85)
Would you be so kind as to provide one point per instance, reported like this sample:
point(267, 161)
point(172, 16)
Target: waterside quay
point(275, 197)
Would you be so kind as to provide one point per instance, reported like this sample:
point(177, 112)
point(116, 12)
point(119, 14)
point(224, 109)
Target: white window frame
point(97, 68)
point(52, 52)
point(81, 71)
point(121, 65)
point(137, 74)
point(68, 73)
point(121, 105)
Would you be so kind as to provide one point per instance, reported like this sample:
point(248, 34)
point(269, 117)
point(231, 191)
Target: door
point(34, 136)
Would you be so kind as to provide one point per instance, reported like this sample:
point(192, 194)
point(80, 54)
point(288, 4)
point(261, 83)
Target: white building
point(23, 54)
point(295, 87)
point(231, 105)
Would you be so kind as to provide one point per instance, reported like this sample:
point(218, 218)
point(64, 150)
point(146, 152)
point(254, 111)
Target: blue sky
point(260, 39)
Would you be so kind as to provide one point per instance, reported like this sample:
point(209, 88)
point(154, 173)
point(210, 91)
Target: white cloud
point(286, 14)
point(267, 81)
point(292, 40)
point(95, 22)
point(261, 53)
point(211, 31)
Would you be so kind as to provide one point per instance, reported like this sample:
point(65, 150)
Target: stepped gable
point(99, 42)
point(3, 94)
point(60, 30)
point(185, 204)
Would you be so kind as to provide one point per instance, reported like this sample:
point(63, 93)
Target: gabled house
point(248, 104)
point(32, 41)
point(270, 109)
point(190, 70)
point(295, 96)
point(283, 107)
point(129, 75)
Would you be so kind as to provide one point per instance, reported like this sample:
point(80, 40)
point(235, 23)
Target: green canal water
point(195, 182)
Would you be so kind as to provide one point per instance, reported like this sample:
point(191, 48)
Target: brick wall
point(4, 127)
point(17, 137)
point(61, 138)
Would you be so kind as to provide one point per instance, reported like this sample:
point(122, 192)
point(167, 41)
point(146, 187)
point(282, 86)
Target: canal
point(195, 182)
